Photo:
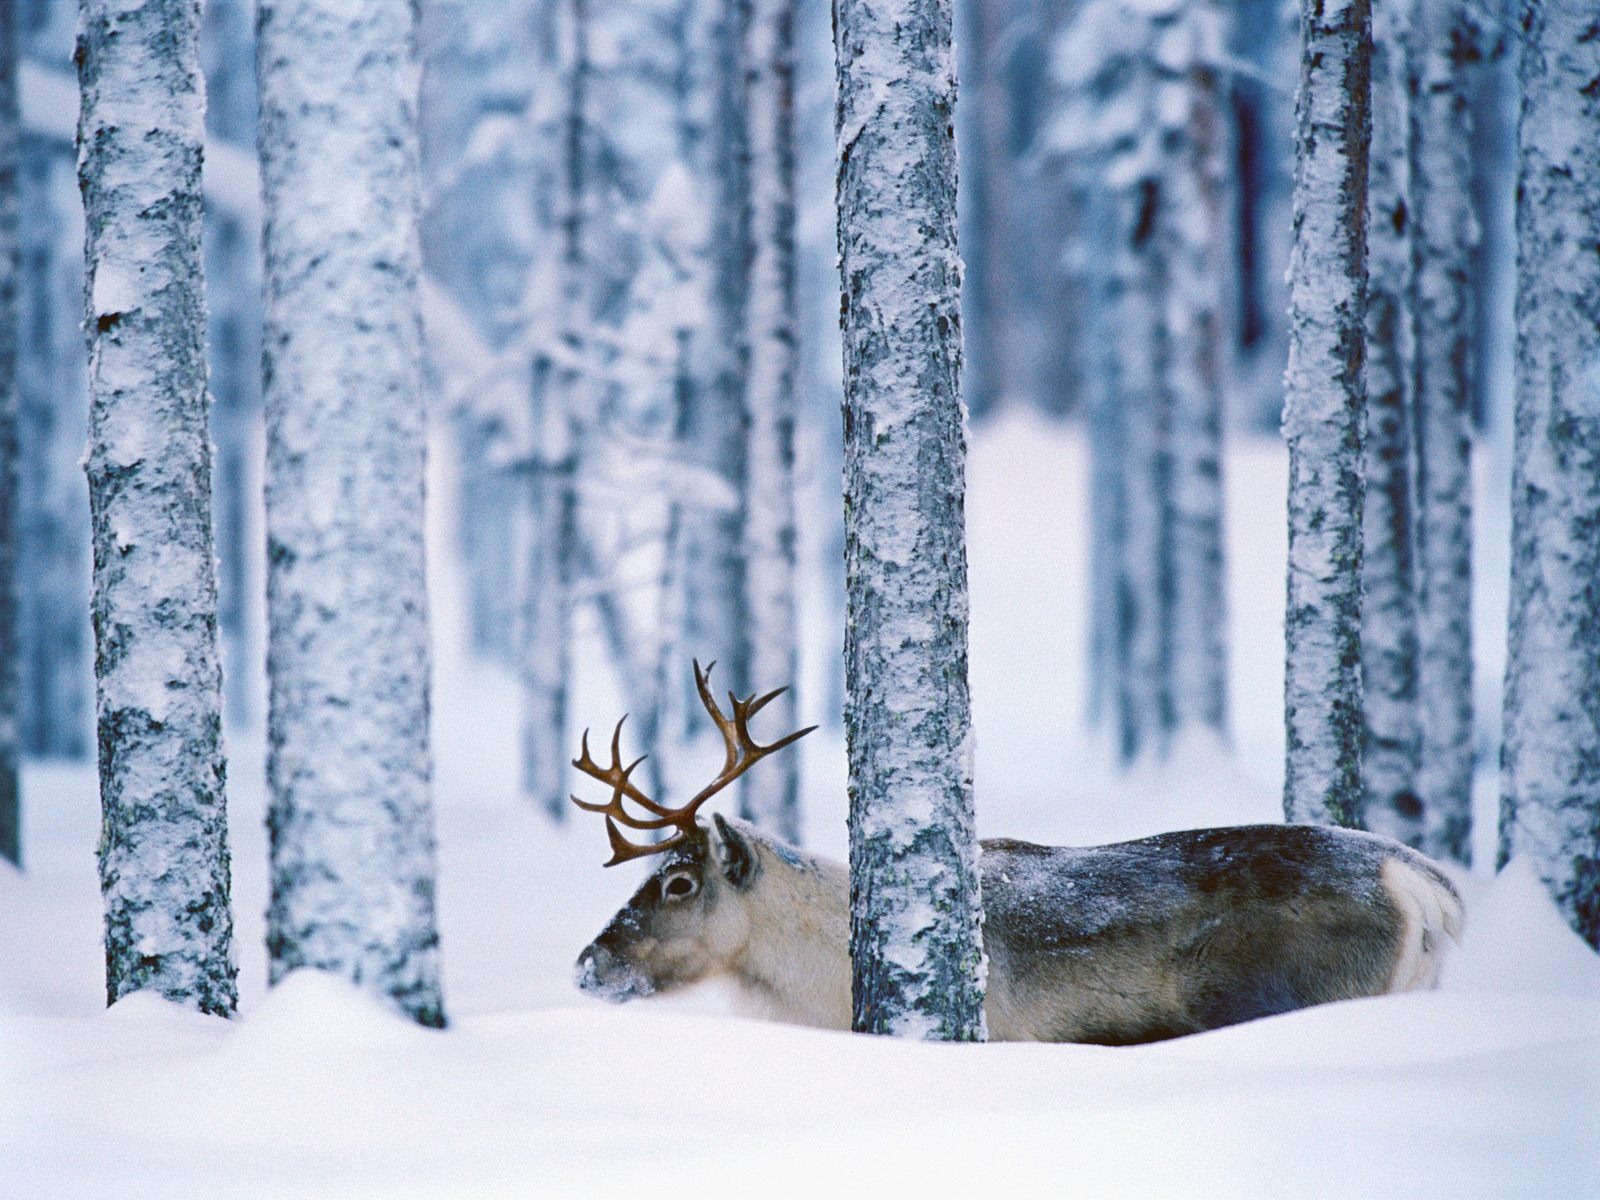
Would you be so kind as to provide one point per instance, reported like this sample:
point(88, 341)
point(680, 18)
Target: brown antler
point(743, 752)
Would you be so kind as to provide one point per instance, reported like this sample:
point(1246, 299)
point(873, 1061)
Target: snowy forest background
point(1127, 172)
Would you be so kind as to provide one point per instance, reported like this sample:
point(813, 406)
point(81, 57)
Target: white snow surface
point(1486, 1088)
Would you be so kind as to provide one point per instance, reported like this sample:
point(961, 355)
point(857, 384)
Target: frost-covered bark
point(1145, 129)
point(163, 841)
point(1266, 44)
point(1444, 229)
point(714, 571)
point(10, 180)
point(560, 376)
point(771, 798)
point(54, 636)
point(916, 913)
point(1391, 741)
point(1196, 225)
point(1144, 566)
point(349, 764)
point(1550, 803)
point(1323, 415)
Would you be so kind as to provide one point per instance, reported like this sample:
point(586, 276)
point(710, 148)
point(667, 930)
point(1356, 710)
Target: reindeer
point(1118, 944)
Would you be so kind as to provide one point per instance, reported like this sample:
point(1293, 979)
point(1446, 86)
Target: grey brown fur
point(1119, 944)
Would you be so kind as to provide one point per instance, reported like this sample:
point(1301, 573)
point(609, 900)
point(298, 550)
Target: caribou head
point(691, 917)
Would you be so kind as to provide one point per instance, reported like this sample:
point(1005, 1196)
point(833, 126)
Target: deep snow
point(1490, 1087)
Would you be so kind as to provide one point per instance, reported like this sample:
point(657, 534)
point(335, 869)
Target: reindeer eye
point(679, 887)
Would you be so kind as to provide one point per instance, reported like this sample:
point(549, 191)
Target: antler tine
point(622, 850)
point(618, 779)
point(743, 751)
point(729, 731)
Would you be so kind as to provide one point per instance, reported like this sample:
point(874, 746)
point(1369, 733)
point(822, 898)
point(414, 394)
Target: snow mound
point(314, 1009)
point(1517, 941)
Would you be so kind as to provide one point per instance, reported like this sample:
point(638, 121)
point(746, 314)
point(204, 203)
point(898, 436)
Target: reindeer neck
point(796, 964)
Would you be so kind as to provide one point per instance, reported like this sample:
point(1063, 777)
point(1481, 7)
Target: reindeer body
point(1118, 944)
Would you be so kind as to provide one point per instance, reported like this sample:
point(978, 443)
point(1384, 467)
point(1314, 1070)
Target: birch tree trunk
point(771, 799)
point(1444, 232)
point(714, 574)
point(10, 284)
point(1391, 741)
point(1144, 571)
point(164, 871)
point(10, 272)
point(349, 764)
point(1324, 414)
point(1196, 234)
point(916, 914)
point(1550, 802)
point(550, 534)
point(53, 549)
point(233, 337)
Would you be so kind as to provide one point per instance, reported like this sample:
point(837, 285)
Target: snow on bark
point(1196, 225)
point(1144, 569)
point(714, 568)
point(1391, 741)
point(1444, 230)
point(164, 871)
point(771, 798)
point(549, 533)
point(1143, 123)
point(53, 552)
point(349, 764)
point(1324, 413)
point(1550, 802)
point(916, 914)
point(10, 264)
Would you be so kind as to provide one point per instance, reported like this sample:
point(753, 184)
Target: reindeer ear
point(735, 855)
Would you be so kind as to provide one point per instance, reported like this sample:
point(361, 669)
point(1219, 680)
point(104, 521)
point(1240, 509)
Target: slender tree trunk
point(771, 799)
point(1324, 415)
point(1144, 572)
point(714, 577)
point(233, 338)
point(1391, 741)
point(916, 914)
point(53, 552)
point(561, 376)
point(164, 869)
point(1197, 223)
point(349, 764)
point(10, 271)
point(1444, 232)
point(1550, 803)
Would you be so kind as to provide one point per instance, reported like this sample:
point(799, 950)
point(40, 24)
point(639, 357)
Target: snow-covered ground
point(1489, 1087)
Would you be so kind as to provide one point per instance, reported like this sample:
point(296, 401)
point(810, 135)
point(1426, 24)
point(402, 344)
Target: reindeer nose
point(593, 968)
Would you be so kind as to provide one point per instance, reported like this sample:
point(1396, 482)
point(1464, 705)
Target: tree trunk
point(233, 340)
point(1144, 571)
point(1324, 415)
point(1550, 803)
point(1444, 231)
point(10, 271)
point(164, 871)
point(349, 764)
point(772, 798)
point(916, 915)
point(714, 574)
point(1196, 228)
point(560, 378)
point(1391, 741)
point(53, 551)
